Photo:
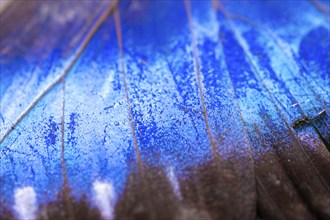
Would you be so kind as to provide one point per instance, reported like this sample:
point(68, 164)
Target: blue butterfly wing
point(165, 110)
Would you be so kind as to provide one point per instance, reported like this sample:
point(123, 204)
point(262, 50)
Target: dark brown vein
point(66, 189)
point(123, 72)
point(80, 49)
point(129, 111)
point(219, 161)
point(199, 79)
point(263, 190)
point(217, 6)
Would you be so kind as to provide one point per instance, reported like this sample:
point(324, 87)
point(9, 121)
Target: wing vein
point(76, 55)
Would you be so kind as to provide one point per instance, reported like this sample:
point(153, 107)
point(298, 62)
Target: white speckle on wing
point(104, 198)
point(173, 181)
point(25, 203)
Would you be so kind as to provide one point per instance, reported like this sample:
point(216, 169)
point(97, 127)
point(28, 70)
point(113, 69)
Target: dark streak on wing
point(237, 169)
point(141, 169)
point(133, 203)
point(199, 80)
point(225, 209)
point(66, 189)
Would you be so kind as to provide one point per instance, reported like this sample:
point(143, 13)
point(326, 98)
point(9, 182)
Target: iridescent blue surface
point(260, 72)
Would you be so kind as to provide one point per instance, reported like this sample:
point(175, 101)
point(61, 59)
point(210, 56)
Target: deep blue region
point(8, 71)
point(168, 18)
point(116, 83)
point(212, 74)
point(52, 60)
point(71, 138)
point(51, 132)
point(174, 15)
point(238, 67)
point(258, 50)
point(137, 57)
point(274, 12)
point(314, 51)
point(2, 119)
